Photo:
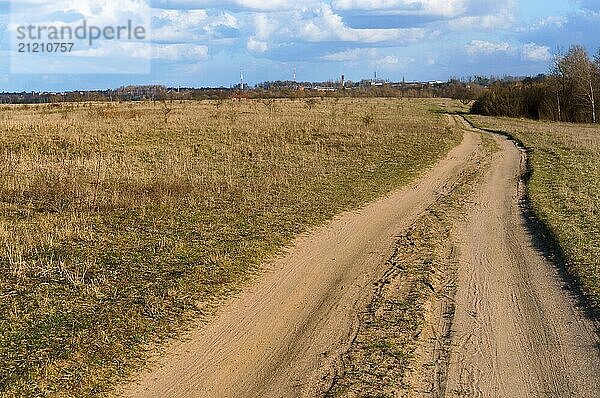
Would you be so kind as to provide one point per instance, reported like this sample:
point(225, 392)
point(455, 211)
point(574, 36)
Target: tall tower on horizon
point(242, 79)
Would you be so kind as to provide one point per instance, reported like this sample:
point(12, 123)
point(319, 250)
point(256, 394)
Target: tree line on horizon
point(569, 93)
point(454, 88)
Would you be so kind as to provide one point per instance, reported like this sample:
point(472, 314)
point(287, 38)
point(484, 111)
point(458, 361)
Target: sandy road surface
point(517, 331)
point(283, 336)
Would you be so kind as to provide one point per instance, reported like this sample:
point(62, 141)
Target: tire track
point(517, 331)
point(284, 336)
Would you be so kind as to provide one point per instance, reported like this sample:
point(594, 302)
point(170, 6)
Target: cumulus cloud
point(486, 15)
point(250, 5)
point(263, 27)
point(325, 25)
point(257, 46)
point(174, 25)
point(100, 55)
point(481, 22)
point(551, 21)
point(167, 52)
point(94, 11)
point(191, 25)
point(482, 47)
point(355, 54)
point(529, 51)
point(319, 25)
point(591, 5)
point(387, 61)
point(372, 57)
point(536, 53)
point(479, 36)
point(408, 7)
point(178, 52)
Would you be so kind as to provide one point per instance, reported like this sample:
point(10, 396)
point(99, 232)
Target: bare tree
point(556, 82)
point(578, 74)
point(596, 76)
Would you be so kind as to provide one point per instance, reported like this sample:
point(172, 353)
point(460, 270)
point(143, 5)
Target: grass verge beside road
point(564, 189)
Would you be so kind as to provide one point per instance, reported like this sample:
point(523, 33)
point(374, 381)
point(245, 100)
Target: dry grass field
point(564, 189)
point(119, 223)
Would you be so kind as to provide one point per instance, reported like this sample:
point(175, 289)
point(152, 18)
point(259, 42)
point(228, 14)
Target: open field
point(285, 335)
point(121, 222)
point(564, 189)
point(470, 302)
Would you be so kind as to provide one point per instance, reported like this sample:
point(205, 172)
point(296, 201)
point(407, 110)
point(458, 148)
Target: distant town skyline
point(205, 43)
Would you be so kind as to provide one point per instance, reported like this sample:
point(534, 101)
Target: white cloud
point(96, 12)
point(170, 52)
point(485, 22)
point(558, 22)
point(257, 46)
point(183, 18)
point(536, 53)
point(264, 26)
point(253, 5)
point(482, 47)
point(355, 54)
point(328, 26)
point(115, 49)
point(271, 25)
point(487, 15)
point(178, 25)
point(387, 61)
point(268, 4)
point(180, 52)
point(301, 30)
point(368, 56)
point(448, 8)
point(529, 51)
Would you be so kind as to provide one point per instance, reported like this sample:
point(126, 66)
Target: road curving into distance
point(517, 331)
point(285, 334)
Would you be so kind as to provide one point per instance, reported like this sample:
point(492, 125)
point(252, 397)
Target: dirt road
point(283, 336)
point(517, 331)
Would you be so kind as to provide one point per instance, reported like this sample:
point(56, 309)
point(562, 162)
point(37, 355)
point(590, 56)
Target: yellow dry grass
point(119, 222)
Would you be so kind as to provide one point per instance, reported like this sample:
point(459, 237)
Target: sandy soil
point(518, 331)
point(284, 335)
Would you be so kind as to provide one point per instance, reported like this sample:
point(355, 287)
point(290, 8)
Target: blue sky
point(206, 42)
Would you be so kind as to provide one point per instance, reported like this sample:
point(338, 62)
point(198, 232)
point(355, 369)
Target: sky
point(197, 43)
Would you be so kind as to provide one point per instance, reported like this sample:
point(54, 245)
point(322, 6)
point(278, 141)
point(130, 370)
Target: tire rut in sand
point(416, 291)
point(517, 332)
point(284, 336)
